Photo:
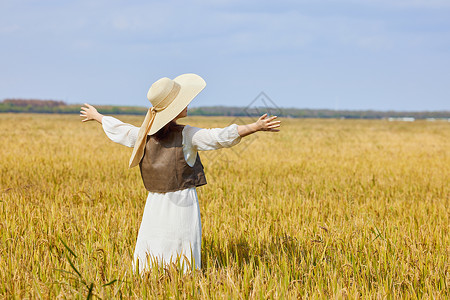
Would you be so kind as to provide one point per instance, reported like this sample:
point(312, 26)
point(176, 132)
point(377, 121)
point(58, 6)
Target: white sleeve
point(199, 139)
point(120, 132)
point(203, 139)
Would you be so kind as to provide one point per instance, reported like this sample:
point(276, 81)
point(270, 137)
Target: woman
point(170, 167)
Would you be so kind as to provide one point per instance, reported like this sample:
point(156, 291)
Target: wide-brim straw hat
point(168, 98)
point(190, 86)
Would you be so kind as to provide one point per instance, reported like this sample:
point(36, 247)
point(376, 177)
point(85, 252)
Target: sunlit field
point(322, 209)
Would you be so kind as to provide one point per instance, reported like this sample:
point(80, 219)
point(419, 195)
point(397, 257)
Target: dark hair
point(162, 133)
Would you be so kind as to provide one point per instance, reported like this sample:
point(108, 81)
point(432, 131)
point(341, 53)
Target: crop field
point(321, 209)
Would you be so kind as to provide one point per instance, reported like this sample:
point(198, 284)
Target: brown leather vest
point(163, 167)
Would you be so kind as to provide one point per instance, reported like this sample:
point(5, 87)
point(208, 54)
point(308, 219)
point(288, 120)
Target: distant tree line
point(33, 102)
point(60, 107)
point(52, 106)
point(313, 113)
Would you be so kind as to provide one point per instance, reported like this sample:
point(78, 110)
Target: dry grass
point(325, 208)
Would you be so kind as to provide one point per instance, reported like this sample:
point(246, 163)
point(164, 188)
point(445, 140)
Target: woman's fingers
point(84, 114)
point(274, 123)
point(88, 107)
point(271, 125)
point(263, 116)
point(87, 111)
point(270, 119)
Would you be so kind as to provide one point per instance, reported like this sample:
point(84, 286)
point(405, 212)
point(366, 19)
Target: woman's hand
point(262, 124)
point(268, 124)
point(90, 113)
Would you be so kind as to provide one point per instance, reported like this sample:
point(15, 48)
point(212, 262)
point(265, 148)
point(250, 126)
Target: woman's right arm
point(263, 124)
point(202, 139)
point(116, 130)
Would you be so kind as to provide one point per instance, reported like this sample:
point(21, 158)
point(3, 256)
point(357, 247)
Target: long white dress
point(171, 224)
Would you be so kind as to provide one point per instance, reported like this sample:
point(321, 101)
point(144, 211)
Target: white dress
point(171, 222)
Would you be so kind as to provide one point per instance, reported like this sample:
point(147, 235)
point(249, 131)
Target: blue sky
point(344, 54)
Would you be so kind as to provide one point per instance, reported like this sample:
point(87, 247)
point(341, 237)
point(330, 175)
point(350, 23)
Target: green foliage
point(70, 109)
point(59, 107)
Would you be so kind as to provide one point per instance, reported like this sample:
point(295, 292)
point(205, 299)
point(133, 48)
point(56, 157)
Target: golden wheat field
point(322, 209)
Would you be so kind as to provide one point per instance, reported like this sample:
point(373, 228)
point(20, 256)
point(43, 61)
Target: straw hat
point(168, 98)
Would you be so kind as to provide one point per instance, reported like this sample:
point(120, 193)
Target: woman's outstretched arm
point(116, 130)
point(263, 124)
point(90, 113)
point(202, 139)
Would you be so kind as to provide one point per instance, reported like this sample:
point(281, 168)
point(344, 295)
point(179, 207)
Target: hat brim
point(190, 86)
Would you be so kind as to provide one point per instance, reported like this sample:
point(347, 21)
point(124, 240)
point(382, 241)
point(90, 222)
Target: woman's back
point(163, 166)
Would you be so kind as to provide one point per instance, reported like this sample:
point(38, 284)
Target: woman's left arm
point(90, 113)
point(116, 130)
